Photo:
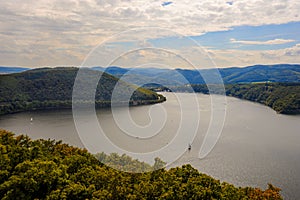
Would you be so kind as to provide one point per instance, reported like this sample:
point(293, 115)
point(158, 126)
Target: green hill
point(281, 73)
point(48, 169)
point(284, 98)
point(48, 88)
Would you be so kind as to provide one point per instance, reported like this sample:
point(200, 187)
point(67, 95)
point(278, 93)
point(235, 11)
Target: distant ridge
point(282, 73)
point(9, 70)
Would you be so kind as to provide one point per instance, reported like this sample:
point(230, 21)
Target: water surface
point(256, 147)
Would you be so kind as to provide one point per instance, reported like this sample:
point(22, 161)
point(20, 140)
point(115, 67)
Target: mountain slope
point(284, 98)
point(171, 77)
point(47, 88)
point(262, 73)
point(255, 73)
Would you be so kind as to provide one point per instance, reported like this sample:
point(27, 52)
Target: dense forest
point(48, 88)
point(284, 98)
point(48, 169)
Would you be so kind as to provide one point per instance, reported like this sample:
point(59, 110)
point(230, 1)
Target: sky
point(127, 33)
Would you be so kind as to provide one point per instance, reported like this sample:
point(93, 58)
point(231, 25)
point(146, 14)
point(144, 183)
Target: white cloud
point(47, 27)
point(293, 51)
point(185, 16)
point(268, 42)
point(199, 57)
point(233, 57)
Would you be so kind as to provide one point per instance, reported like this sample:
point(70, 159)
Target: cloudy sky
point(129, 33)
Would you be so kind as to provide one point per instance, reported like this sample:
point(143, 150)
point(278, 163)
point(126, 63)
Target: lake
point(256, 146)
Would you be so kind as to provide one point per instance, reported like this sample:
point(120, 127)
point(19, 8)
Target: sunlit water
point(256, 147)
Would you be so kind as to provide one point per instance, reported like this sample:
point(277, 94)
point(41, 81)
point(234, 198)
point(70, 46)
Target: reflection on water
point(257, 146)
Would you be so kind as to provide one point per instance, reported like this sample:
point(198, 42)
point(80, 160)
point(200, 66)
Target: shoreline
point(58, 104)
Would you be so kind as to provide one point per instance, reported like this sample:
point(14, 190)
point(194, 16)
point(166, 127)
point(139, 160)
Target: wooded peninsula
point(51, 88)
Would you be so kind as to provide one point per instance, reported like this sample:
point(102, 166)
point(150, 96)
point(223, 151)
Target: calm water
point(256, 147)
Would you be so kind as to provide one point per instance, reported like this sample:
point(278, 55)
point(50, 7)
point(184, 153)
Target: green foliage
point(123, 162)
point(282, 97)
point(49, 88)
point(46, 169)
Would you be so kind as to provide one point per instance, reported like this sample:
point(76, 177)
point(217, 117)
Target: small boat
point(31, 119)
point(190, 147)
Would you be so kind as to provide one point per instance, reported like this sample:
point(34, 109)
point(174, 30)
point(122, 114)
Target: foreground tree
point(46, 169)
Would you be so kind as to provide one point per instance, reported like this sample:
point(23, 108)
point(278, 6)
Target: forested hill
point(281, 73)
point(169, 77)
point(48, 169)
point(284, 98)
point(47, 88)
